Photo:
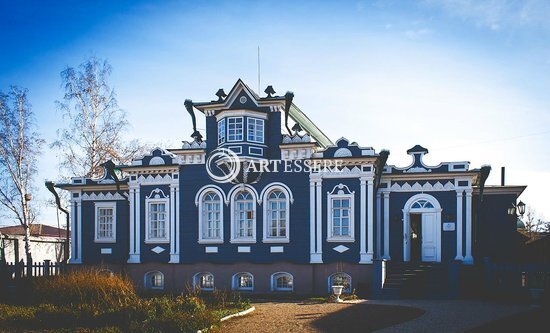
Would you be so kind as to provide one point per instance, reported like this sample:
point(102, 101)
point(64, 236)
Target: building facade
point(268, 203)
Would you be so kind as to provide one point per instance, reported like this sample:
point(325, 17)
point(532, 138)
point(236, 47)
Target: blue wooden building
point(268, 203)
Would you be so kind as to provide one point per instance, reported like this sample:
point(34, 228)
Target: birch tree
point(95, 123)
point(20, 146)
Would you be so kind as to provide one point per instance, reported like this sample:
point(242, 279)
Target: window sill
point(341, 240)
point(155, 241)
point(243, 241)
point(276, 240)
point(106, 241)
point(210, 241)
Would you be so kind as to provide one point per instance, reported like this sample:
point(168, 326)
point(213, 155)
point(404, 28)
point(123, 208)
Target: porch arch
point(420, 204)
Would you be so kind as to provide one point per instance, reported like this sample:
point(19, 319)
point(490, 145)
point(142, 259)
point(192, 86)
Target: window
point(235, 128)
point(276, 215)
point(221, 131)
point(282, 282)
point(204, 281)
point(243, 282)
point(244, 216)
point(105, 222)
point(157, 221)
point(255, 131)
point(422, 204)
point(340, 279)
point(210, 227)
point(340, 215)
point(154, 280)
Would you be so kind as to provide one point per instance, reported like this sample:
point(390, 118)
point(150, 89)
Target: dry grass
point(85, 287)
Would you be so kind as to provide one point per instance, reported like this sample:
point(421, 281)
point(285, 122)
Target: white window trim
point(166, 202)
point(265, 199)
point(329, 282)
point(248, 121)
point(221, 139)
point(227, 138)
point(148, 285)
point(235, 282)
point(196, 281)
point(203, 240)
point(341, 239)
point(242, 240)
point(98, 205)
point(259, 153)
point(274, 281)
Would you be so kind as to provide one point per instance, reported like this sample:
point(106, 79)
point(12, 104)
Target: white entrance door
point(429, 237)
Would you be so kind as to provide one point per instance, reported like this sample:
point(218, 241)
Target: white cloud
point(416, 33)
point(497, 14)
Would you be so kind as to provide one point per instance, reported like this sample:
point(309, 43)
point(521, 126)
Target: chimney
point(502, 176)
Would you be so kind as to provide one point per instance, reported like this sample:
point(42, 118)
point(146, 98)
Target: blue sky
point(469, 80)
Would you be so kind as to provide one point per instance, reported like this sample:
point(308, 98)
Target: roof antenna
point(258, 70)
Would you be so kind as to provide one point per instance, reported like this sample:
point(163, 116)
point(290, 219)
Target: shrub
point(84, 287)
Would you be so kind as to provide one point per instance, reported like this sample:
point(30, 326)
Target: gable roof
point(277, 102)
point(36, 230)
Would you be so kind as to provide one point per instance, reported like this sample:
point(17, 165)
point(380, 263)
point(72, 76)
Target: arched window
point(276, 198)
point(244, 219)
point(276, 215)
point(282, 282)
point(204, 281)
point(154, 280)
point(422, 204)
point(243, 282)
point(211, 218)
point(340, 279)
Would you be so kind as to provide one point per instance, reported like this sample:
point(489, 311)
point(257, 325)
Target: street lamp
point(517, 210)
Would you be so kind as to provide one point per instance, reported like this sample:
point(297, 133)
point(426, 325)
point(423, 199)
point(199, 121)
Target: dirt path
point(324, 317)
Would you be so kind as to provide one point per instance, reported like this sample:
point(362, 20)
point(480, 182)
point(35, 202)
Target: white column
point(173, 255)
point(74, 253)
point(370, 220)
point(134, 225)
point(468, 257)
point(313, 257)
point(378, 225)
point(135, 257)
point(459, 197)
point(131, 194)
point(387, 225)
point(79, 228)
point(138, 224)
point(319, 219)
point(177, 200)
point(363, 258)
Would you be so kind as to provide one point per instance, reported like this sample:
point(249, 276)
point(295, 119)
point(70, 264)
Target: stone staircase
point(416, 280)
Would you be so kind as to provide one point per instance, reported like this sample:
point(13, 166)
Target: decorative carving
point(417, 169)
point(416, 187)
point(343, 152)
point(102, 196)
point(341, 189)
point(157, 194)
point(193, 145)
point(158, 249)
point(340, 248)
point(297, 138)
point(157, 160)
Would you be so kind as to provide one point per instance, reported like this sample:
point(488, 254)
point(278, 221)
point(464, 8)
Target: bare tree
point(20, 146)
point(95, 122)
point(534, 223)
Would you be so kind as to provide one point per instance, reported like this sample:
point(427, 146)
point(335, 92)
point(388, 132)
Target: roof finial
point(269, 91)
point(296, 128)
point(221, 95)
